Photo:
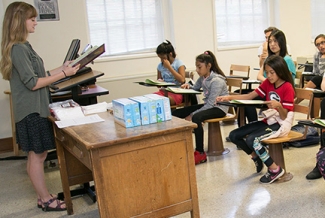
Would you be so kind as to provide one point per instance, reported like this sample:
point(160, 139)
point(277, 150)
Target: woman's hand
point(273, 104)
point(69, 71)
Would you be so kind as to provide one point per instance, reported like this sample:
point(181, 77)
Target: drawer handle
point(59, 137)
point(77, 151)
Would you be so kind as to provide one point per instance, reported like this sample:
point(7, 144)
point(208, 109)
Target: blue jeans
point(250, 132)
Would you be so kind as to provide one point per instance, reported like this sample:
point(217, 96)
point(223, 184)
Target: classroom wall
point(194, 33)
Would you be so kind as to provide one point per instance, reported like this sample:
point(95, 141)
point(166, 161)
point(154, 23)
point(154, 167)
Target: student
point(319, 169)
point(29, 83)
point(278, 89)
point(213, 82)
point(262, 50)
point(277, 45)
point(171, 70)
point(318, 63)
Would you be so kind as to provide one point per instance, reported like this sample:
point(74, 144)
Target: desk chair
point(276, 146)
point(239, 70)
point(215, 141)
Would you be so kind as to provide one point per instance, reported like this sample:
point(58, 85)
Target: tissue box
point(144, 108)
point(160, 114)
point(166, 105)
point(126, 112)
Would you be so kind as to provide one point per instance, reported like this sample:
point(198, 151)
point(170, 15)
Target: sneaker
point(228, 139)
point(258, 163)
point(270, 176)
point(314, 174)
point(200, 157)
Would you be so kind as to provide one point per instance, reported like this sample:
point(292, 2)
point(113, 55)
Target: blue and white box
point(144, 108)
point(160, 114)
point(126, 112)
point(152, 110)
point(166, 105)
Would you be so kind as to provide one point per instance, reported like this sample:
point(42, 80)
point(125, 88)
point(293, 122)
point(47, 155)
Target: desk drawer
point(75, 148)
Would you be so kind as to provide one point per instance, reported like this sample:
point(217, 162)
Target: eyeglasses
point(321, 43)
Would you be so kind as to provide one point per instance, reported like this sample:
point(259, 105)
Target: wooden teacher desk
point(146, 171)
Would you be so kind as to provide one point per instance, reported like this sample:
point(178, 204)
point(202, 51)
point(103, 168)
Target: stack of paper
point(95, 108)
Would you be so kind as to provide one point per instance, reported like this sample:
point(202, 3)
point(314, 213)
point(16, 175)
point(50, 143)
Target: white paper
point(79, 121)
point(94, 108)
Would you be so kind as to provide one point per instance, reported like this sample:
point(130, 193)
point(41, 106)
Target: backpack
point(312, 137)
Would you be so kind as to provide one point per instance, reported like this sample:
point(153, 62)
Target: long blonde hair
point(14, 31)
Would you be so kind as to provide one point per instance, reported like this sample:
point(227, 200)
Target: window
point(126, 26)
point(317, 15)
point(241, 22)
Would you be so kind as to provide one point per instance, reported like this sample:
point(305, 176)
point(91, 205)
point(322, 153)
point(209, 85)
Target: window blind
point(125, 26)
point(240, 22)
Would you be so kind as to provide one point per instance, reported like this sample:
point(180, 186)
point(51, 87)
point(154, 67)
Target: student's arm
point(248, 96)
point(264, 54)
point(159, 77)
point(260, 75)
point(273, 104)
point(178, 75)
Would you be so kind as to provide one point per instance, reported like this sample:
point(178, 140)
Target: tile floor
point(227, 187)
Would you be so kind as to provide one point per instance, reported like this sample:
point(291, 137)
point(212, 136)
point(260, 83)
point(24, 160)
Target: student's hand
point(185, 86)
point(265, 52)
point(273, 104)
point(166, 63)
point(69, 71)
point(189, 117)
point(223, 98)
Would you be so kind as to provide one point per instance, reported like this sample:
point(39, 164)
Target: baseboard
point(6, 145)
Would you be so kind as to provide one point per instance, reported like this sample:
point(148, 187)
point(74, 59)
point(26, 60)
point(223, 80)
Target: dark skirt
point(35, 133)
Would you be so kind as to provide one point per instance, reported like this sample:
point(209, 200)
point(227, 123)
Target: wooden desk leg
point(187, 101)
point(242, 116)
point(315, 108)
point(64, 177)
point(13, 128)
point(276, 152)
point(215, 142)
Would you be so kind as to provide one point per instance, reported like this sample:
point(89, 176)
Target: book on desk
point(158, 83)
point(248, 101)
point(182, 91)
point(320, 122)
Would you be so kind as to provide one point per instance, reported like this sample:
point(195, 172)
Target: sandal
point(39, 201)
point(46, 205)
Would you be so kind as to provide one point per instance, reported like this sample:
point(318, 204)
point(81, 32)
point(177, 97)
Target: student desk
point(145, 171)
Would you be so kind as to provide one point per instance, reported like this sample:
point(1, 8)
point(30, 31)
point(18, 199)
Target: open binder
point(88, 56)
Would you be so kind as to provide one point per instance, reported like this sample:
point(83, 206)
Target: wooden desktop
point(145, 171)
